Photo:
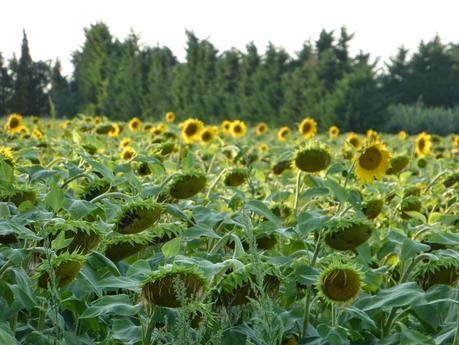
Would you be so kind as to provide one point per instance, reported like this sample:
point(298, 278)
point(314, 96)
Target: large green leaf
point(119, 305)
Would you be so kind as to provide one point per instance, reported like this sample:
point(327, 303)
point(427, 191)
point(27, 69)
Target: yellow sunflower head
point(114, 130)
point(134, 124)
point(308, 128)
point(125, 142)
point(191, 129)
point(226, 127)
point(262, 128)
point(423, 144)
point(354, 139)
point(455, 140)
point(128, 153)
point(372, 162)
point(283, 134)
point(14, 124)
point(98, 119)
point(170, 117)
point(208, 134)
point(312, 158)
point(333, 132)
point(37, 133)
point(6, 153)
point(159, 129)
point(402, 135)
point(263, 148)
point(372, 135)
point(238, 128)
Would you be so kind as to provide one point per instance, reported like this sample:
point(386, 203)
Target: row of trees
point(121, 79)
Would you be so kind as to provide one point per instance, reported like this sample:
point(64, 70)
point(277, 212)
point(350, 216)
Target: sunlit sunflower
point(354, 139)
point(226, 127)
point(191, 129)
point(114, 131)
point(283, 134)
point(262, 128)
point(372, 162)
point(23, 130)
point(128, 153)
point(7, 154)
point(37, 133)
point(372, 135)
point(333, 132)
point(134, 124)
point(208, 134)
point(402, 135)
point(170, 117)
point(14, 124)
point(423, 144)
point(125, 142)
point(311, 158)
point(159, 129)
point(238, 128)
point(455, 140)
point(263, 148)
point(98, 119)
point(308, 128)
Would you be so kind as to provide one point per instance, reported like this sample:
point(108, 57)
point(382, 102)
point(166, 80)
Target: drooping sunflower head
point(282, 166)
point(340, 283)
point(372, 135)
point(208, 134)
point(137, 216)
point(134, 124)
point(235, 177)
point(128, 153)
point(14, 124)
point(354, 139)
point(283, 134)
point(170, 117)
point(161, 287)
point(84, 235)
point(19, 194)
point(226, 127)
point(117, 247)
point(238, 128)
point(187, 184)
point(347, 233)
point(397, 164)
point(66, 268)
point(372, 162)
point(372, 208)
point(93, 189)
point(191, 129)
point(308, 128)
point(311, 158)
point(333, 132)
point(402, 135)
point(445, 271)
point(450, 180)
point(6, 154)
point(261, 128)
point(410, 203)
point(422, 144)
point(114, 130)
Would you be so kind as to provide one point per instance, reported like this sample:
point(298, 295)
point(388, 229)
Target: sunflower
point(333, 132)
point(372, 162)
point(125, 142)
point(263, 148)
point(422, 145)
point(312, 158)
point(134, 124)
point(187, 184)
point(14, 124)
point(6, 153)
point(208, 134)
point(226, 127)
point(98, 119)
point(354, 139)
point(23, 130)
point(128, 153)
point(137, 216)
point(455, 140)
point(308, 127)
point(372, 135)
point(37, 133)
point(235, 177)
point(66, 268)
point(283, 134)
point(114, 131)
point(402, 135)
point(191, 129)
point(262, 128)
point(397, 164)
point(238, 128)
point(347, 233)
point(170, 117)
point(340, 283)
point(159, 129)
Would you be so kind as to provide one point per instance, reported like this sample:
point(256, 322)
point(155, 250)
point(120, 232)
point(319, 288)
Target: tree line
point(121, 79)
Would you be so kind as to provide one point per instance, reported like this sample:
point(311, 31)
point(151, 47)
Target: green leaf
point(119, 283)
point(99, 167)
point(6, 335)
point(6, 175)
point(81, 208)
point(337, 190)
point(171, 248)
point(417, 215)
point(119, 305)
point(60, 241)
point(310, 221)
point(200, 230)
point(410, 248)
point(406, 294)
point(261, 209)
point(55, 197)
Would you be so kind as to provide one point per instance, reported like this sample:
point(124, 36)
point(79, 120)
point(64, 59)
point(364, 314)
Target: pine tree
point(5, 88)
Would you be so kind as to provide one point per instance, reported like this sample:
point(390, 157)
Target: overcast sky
point(55, 27)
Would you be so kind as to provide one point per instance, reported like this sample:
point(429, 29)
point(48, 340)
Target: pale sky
point(55, 27)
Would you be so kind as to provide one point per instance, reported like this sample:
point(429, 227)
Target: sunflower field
point(180, 232)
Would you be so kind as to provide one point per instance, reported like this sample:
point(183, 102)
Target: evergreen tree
point(61, 93)
point(5, 88)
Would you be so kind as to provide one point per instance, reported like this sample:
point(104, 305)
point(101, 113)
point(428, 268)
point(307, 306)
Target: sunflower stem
point(150, 326)
point(349, 172)
point(456, 335)
point(212, 186)
point(66, 182)
point(297, 191)
point(110, 195)
point(434, 180)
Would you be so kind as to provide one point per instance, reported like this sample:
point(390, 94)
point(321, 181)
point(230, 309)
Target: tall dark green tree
point(61, 93)
point(5, 88)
